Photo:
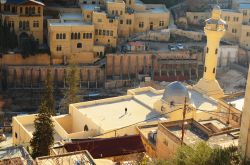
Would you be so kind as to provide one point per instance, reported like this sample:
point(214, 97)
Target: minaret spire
point(214, 29)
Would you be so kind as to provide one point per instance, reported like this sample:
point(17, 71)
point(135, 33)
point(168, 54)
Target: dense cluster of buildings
point(146, 122)
point(150, 122)
point(237, 18)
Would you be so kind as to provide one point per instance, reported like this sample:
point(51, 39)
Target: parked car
point(180, 46)
point(171, 47)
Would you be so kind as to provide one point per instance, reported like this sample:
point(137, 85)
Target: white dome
point(175, 93)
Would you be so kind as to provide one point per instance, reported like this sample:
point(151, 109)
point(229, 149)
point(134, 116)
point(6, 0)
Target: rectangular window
point(96, 31)
point(58, 48)
point(104, 32)
point(121, 21)
point(16, 135)
point(141, 24)
point(100, 32)
point(129, 21)
point(161, 23)
point(35, 24)
point(111, 32)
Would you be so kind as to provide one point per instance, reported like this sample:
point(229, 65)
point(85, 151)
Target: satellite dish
point(3, 1)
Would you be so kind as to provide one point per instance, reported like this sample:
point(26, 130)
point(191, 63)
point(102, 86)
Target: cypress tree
point(43, 137)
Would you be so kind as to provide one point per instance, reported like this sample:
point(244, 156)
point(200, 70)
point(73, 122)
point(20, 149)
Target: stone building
point(25, 17)
point(98, 26)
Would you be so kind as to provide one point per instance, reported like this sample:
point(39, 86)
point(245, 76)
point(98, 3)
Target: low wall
point(197, 36)
point(17, 59)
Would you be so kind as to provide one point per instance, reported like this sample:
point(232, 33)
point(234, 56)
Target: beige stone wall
point(21, 16)
point(19, 133)
point(17, 59)
point(197, 36)
point(196, 18)
point(246, 15)
point(102, 22)
point(234, 21)
point(245, 36)
point(34, 76)
point(69, 45)
point(165, 145)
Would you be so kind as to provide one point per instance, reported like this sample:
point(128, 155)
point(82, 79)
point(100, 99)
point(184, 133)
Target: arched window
point(214, 70)
point(75, 36)
point(207, 50)
point(39, 10)
point(78, 36)
point(26, 10)
point(33, 10)
point(216, 51)
point(27, 24)
point(86, 128)
point(30, 10)
point(64, 36)
point(61, 35)
point(79, 45)
point(57, 36)
point(72, 36)
point(20, 24)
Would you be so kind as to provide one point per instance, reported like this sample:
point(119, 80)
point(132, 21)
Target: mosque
point(119, 116)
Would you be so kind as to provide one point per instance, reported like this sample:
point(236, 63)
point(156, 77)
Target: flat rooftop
point(31, 128)
point(194, 133)
point(140, 107)
point(71, 16)
point(199, 101)
point(112, 115)
point(237, 102)
point(218, 124)
point(88, 7)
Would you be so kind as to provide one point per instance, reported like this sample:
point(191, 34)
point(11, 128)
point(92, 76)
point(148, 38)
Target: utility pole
point(183, 121)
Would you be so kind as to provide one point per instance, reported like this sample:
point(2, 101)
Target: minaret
point(244, 141)
point(214, 29)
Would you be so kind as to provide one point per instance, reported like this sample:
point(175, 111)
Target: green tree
point(72, 83)
point(43, 137)
point(48, 95)
point(201, 154)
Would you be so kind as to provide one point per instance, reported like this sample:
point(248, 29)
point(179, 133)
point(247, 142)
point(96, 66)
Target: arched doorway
point(23, 37)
